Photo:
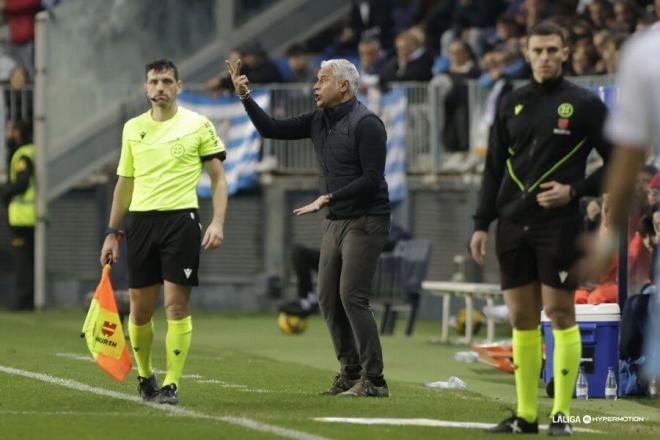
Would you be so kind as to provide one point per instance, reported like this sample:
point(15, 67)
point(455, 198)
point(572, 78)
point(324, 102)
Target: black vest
point(335, 143)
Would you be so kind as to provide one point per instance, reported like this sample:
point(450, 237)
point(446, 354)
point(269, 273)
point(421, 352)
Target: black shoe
point(167, 394)
point(515, 425)
point(148, 387)
point(340, 384)
point(559, 426)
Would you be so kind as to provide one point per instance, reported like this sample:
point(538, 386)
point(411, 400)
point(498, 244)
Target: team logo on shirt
point(517, 109)
point(177, 150)
point(565, 110)
point(562, 127)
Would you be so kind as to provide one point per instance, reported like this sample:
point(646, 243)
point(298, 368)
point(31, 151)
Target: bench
point(468, 291)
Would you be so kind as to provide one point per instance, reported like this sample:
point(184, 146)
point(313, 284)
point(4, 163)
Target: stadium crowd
point(449, 42)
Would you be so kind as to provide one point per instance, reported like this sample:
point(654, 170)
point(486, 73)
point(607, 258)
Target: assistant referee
point(534, 176)
point(161, 161)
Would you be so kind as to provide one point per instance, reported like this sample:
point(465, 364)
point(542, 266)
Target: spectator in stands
point(474, 21)
point(610, 51)
point(298, 60)
point(256, 64)
point(652, 198)
point(20, 16)
point(18, 96)
point(600, 14)
point(625, 15)
point(462, 62)
point(644, 178)
point(436, 20)
point(216, 84)
point(456, 131)
point(344, 44)
point(507, 29)
point(564, 13)
point(583, 61)
point(412, 62)
point(372, 59)
point(372, 19)
point(581, 28)
point(534, 12)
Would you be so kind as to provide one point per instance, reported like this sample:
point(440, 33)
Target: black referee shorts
point(542, 252)
point(163, 245)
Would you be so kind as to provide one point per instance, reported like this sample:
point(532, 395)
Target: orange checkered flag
point(103, 331)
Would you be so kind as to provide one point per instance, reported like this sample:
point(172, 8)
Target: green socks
point(177, 344)
point(566, 362)
point(141, 337)
point(527, 361)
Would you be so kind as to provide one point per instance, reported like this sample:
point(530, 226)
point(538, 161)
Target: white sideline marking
point(69, 413)
point(421, 422)
point(196, 377)
point(174, 410)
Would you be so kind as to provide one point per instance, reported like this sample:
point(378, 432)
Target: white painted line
point(421, 422)
point(69, 413)
point(198, 378)
point(174, 410)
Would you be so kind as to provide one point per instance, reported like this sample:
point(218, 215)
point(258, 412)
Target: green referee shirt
point(165, 159)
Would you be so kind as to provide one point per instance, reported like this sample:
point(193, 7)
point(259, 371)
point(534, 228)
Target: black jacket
point(542, 132)
point(350, 144)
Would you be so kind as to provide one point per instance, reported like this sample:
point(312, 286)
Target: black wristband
point(110, 230)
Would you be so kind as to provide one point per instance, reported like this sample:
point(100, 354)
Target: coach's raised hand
point(241, 82)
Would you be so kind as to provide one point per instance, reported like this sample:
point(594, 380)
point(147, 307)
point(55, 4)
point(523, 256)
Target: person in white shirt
point(634, 126)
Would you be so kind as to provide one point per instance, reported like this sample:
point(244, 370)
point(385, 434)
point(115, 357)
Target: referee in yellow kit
point(161, 161)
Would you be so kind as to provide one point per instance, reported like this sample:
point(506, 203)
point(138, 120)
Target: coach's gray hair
point(344, 71)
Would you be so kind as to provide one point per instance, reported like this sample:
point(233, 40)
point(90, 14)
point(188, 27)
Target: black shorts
point(538, 252)
point(163, 246)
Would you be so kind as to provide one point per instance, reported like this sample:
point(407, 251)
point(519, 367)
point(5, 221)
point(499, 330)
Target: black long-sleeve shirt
point(542, 132)
point(369, 133)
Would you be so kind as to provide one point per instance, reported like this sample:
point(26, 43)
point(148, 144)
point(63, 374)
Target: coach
point(350, 145)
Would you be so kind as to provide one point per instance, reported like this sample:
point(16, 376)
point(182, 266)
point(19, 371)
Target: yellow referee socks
point(141, 337)
point(566, 362)
point(527, 361)
point(177, 344)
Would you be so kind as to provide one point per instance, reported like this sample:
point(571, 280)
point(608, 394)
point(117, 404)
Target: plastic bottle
point(581, 386)
point(610, 385)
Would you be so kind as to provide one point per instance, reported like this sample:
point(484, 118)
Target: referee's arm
point(592, 184)
point(498, 143)
point(121, 200)
point(214, 235)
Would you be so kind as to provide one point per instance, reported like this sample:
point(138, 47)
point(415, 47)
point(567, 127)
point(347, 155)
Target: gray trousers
point(349, 254)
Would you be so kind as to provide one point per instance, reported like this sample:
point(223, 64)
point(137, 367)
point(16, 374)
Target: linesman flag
point(103, 332)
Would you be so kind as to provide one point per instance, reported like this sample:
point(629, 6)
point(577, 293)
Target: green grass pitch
point(245, 379)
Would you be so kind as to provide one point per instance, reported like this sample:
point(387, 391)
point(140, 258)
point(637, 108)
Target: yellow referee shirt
point(165, 159)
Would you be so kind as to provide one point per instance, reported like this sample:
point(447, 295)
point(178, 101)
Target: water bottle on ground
point(581, 386)
point(653, 392)
point(610, 385)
